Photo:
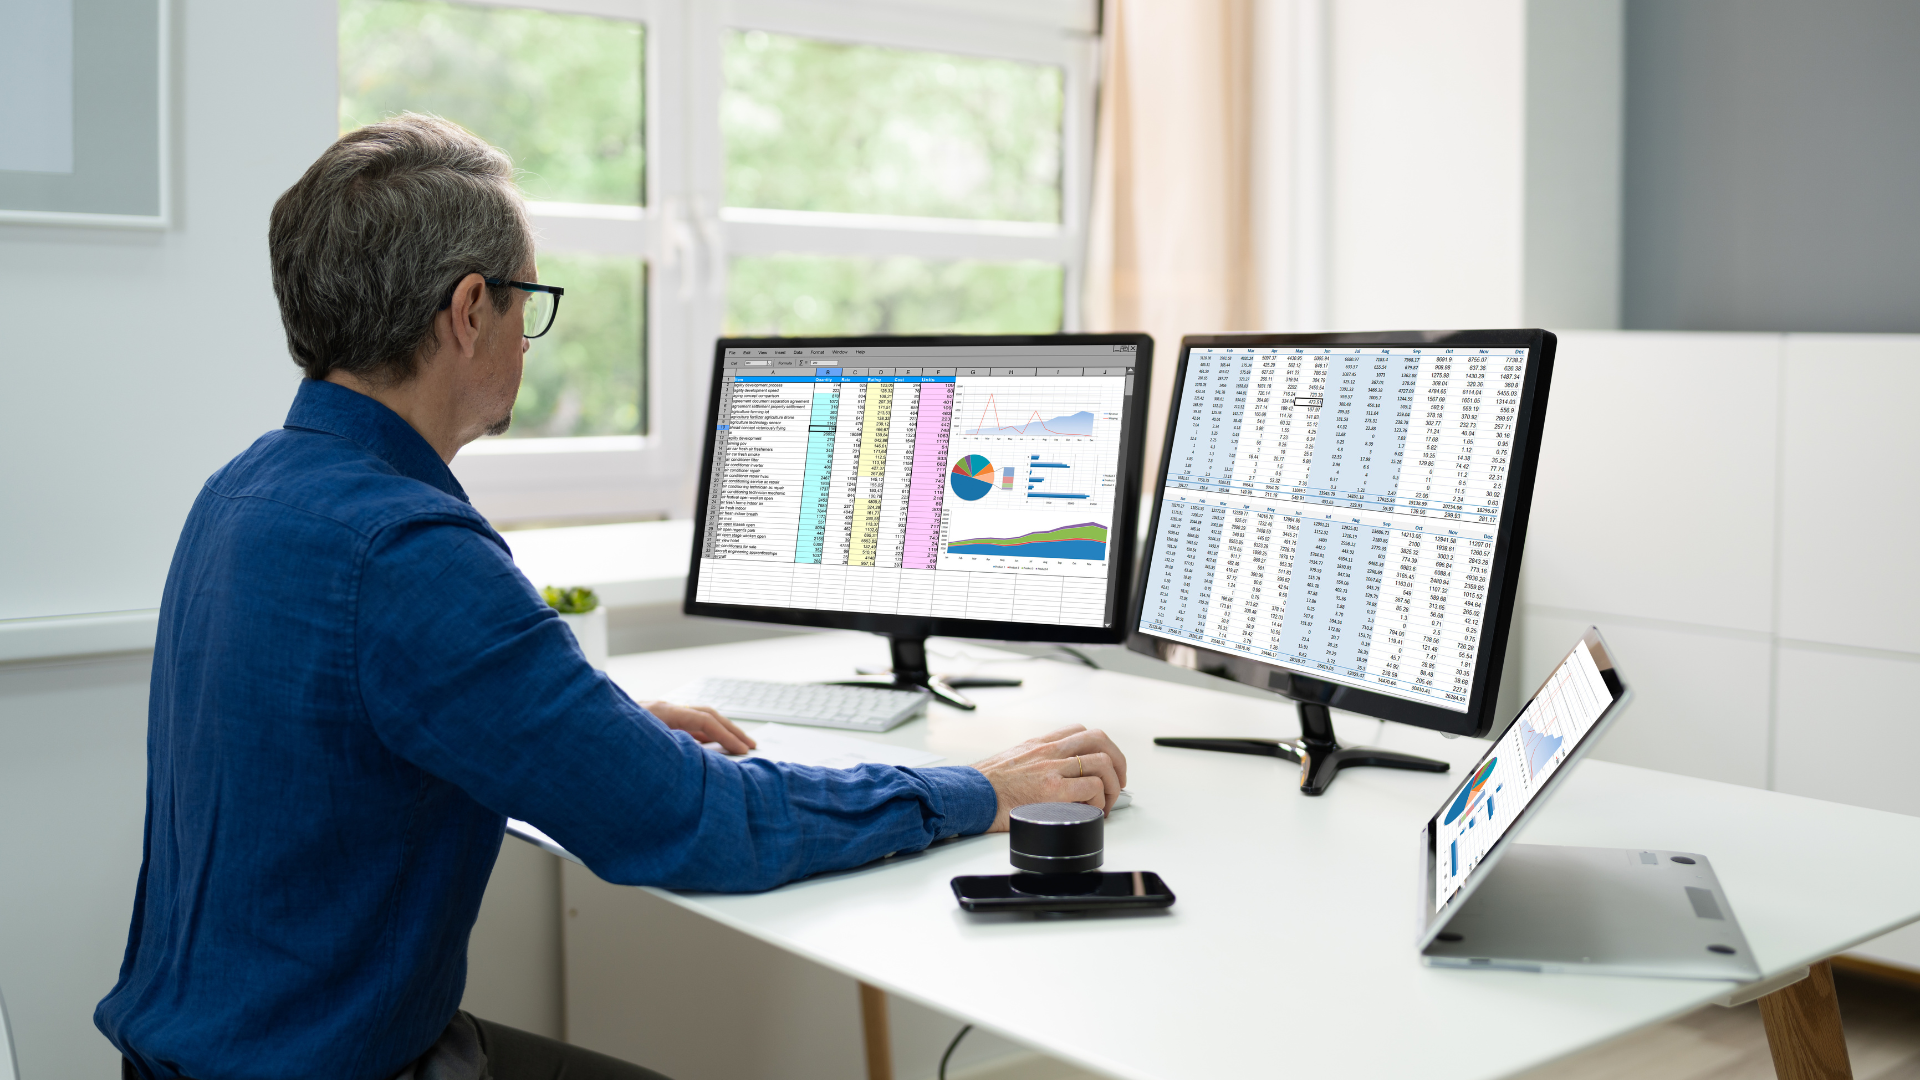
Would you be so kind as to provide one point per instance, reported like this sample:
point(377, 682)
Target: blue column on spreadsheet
point(1171, 579)
point(1338, 435)
point(1310, 593)
point(1206, 525)
point(1184, 463)
point(1378, 435)
point(1342, 603)
point(1406, 386)
point(1191, 535)
point(1221, 391)
point(1354, 649)
point(817, 474)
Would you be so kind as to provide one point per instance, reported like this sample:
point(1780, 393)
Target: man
point(353, 686)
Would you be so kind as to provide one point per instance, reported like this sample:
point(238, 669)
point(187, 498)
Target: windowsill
point(831, 219)
point(579, 444)
point(61, 636)
point(629, 564)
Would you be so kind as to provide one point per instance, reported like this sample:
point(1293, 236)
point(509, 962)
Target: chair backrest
point(9, 1065)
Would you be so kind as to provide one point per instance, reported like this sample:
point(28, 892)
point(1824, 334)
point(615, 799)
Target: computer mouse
point(1125, 800)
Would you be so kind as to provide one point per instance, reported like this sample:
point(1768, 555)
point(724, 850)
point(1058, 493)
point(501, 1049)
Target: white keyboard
point(859, 708)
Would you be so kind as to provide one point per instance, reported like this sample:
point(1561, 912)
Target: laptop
point(1486, 901)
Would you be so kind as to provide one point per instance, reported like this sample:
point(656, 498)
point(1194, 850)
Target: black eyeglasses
point(543, 303)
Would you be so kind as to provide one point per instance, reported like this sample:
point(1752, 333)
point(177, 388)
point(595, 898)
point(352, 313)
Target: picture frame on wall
point(83, 113)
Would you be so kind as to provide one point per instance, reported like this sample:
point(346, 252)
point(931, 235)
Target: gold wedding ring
point(1079, 767)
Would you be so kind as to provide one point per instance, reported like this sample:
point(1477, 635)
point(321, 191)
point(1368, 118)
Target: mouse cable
point(950, 1049)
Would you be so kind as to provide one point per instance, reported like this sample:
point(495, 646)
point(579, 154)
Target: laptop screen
point(1521, 762)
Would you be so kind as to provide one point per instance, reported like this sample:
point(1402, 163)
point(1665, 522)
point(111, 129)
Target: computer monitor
point(1339, 519)
point(981, 487)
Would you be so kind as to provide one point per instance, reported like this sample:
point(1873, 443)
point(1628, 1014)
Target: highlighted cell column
point(817, 474)
point(929, 483)
point(869, 473)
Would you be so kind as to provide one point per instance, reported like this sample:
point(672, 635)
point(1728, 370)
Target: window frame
point(686, 235)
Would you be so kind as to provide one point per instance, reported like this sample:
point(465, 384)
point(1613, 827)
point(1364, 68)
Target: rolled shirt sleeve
point(466, 673)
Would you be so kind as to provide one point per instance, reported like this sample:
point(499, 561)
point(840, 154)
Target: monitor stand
point(1321, 757)
point(910, 673)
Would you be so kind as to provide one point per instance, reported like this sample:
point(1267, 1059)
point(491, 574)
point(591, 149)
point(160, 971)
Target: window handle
point(713, 243)
point(682, 247)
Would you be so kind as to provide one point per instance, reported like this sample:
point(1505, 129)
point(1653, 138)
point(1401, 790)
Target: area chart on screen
point(1335, 510)
point(1087, 540)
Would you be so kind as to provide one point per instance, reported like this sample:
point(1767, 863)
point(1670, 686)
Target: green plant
point(575, 601)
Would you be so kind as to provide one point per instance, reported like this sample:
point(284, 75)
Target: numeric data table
point(1336, 509)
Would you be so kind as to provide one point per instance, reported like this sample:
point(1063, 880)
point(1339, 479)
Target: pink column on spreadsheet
point(929, 488)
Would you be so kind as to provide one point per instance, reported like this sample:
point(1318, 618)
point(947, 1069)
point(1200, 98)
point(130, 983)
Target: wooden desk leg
point(879, 1036)
point(1803, 1029)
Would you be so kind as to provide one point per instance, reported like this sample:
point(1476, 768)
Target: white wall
point(1428, 123)
point(1467, 164)
point(137, 362)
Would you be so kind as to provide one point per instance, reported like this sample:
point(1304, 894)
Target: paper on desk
point(811, 746)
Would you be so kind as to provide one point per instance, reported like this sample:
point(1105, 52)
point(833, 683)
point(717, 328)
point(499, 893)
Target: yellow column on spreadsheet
point(875, 423)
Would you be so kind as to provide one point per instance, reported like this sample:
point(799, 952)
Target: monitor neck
point(909, 661)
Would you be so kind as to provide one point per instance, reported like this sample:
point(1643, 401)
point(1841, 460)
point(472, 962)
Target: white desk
point(1290, 951)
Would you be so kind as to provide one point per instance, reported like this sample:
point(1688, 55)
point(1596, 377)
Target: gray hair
point(369, 244)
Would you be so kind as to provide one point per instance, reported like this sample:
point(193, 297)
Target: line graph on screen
point(1077, 423)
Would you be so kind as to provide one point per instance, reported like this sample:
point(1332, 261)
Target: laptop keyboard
point(857, 708)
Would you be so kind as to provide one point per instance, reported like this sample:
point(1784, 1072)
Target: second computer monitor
point(967, 486)
point(1340, 517)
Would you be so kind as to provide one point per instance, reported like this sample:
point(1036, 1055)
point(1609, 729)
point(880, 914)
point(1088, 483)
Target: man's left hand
point(703, 723)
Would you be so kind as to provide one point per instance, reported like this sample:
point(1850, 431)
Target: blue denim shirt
point(353, 688)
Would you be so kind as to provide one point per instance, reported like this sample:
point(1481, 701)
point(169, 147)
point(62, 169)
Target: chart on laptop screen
point(1335, 510)
point(1508, 778)
point(970, 483)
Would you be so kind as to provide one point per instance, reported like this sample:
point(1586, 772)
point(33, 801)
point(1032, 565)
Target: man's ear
point(464, 315)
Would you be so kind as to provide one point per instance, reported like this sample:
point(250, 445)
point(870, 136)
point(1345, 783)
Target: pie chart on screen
point(972, 477)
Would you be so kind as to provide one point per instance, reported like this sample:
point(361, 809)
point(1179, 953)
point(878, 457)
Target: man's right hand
point(1069, 765)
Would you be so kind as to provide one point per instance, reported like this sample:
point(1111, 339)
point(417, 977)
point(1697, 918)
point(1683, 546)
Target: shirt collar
point(335, 410)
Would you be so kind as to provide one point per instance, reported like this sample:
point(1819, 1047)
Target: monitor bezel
point(1434, 919)
point(1120, 549)
point(1503, 581)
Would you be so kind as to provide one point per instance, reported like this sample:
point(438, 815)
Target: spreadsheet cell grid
point(1335, 510)
point(957, 492)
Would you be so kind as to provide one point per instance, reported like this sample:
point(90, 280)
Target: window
point(779, 167)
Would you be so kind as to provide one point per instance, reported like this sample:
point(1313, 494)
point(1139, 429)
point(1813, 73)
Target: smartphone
point(1091, 891)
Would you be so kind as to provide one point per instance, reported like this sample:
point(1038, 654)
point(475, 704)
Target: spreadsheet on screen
point(1334, 510)
point(971, 482)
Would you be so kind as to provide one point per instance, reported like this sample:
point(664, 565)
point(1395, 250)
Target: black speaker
point(1057, 838)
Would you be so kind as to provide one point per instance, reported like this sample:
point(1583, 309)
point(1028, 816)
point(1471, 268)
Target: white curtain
point(1170, 244)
